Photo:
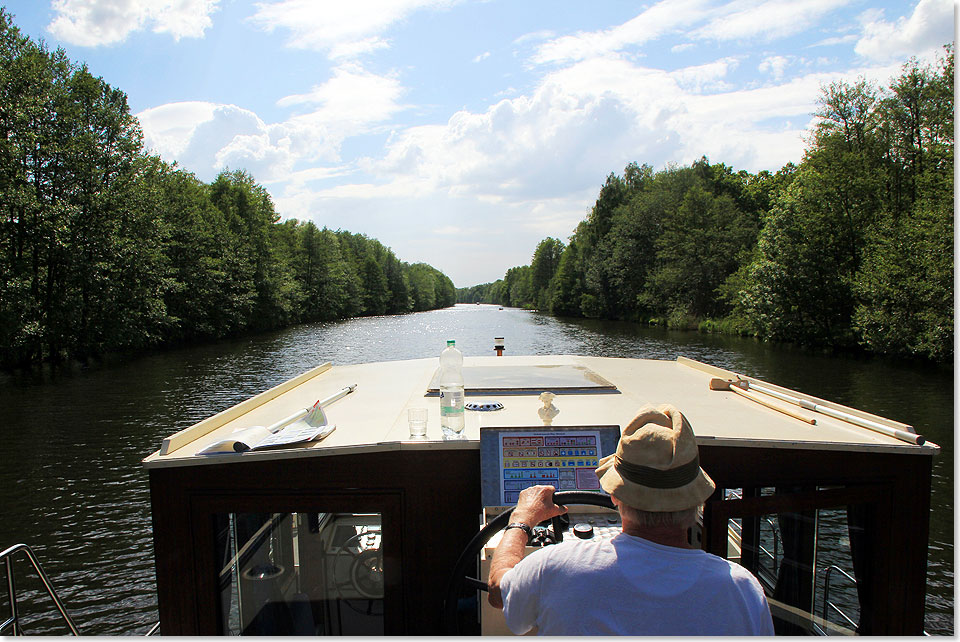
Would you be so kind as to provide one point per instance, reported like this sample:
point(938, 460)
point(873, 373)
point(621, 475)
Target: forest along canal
point(73, 488)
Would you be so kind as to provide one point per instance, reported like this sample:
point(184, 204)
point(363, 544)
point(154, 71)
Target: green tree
point(376, 295)
point(567, 285)
point(794, 289)
point(905, 289)
point(249, 214)
point(699, 247)
point(546, 260)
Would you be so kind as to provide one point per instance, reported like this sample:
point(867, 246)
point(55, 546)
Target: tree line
point(852, 248)
point(106, 248)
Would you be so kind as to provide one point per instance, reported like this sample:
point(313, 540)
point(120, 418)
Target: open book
point(309, 424)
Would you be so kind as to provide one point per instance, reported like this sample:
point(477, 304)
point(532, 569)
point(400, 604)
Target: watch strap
point(525, 527)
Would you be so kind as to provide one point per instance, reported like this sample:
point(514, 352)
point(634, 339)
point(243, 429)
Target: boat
point(367, 531)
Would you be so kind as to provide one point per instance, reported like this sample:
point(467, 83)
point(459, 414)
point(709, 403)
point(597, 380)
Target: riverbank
point(735, 327)
point(49, 367)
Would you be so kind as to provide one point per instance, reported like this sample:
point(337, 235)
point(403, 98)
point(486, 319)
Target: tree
point(567, 286)
point(546, 260)
point(793, 288)
point(698, 248)
point(905, 289)
point(376, 295)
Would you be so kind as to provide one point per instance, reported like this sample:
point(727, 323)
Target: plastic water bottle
point(451, 390)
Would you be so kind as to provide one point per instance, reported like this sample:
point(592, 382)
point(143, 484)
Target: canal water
point(72, 486)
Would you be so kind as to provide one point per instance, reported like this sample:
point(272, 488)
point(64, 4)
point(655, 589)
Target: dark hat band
point(655, 478)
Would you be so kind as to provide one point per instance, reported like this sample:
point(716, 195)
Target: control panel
point(564, 461)
point(512, 459)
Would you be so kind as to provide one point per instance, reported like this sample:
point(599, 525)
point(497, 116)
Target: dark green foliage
point(852, 247)
point(793, 289)
point(104, 248)
point(567, 286)
point(859, 249)
point(430, 288)
point(546, 260)
point(905, 289)
point(483, 293)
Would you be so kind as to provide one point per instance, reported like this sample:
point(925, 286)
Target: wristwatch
point(526, 528)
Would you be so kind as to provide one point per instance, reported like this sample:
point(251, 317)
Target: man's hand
point(534, 505)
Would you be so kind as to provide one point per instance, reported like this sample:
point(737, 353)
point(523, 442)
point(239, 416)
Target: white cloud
point(595, 114)
point(766, 20)
point(167, 129)
point(925, 31)
point(91, 23)
point(837, 40)
point(706, 77)
point(664, 17)
point(206, 137)
point(481, 57)
point(531, 147)
point(774, 65)
point(543, 34)
point(354, 97)
point(736, 20)
point(342, 29)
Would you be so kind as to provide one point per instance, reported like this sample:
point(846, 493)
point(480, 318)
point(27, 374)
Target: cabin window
point(803, 558)
point(300, 573)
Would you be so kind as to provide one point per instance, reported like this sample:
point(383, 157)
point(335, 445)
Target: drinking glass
point(417, 418)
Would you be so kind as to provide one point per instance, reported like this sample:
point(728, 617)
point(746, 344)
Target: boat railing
point(775, 555)
point(827, 604)
point(14, 619)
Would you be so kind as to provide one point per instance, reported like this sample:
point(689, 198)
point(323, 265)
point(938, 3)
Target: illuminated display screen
point(514, 459)
point(565, 462)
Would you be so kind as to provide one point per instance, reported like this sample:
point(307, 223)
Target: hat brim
point(655, 500)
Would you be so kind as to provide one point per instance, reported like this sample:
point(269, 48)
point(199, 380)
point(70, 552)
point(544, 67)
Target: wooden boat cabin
point(359, 532)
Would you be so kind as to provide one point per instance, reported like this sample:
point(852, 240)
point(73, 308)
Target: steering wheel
point(366, 567)
point(458, 578)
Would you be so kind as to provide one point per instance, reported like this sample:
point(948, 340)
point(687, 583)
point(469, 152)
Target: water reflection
point(74, 490)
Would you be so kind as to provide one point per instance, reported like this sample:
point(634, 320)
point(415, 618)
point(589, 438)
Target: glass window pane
point(837, 600)
point(804, 560)
point(300, 573)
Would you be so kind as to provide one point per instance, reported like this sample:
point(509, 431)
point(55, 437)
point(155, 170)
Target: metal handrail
point(14, 619)
point(776, 541)
point(776, 545)
point(826, 594)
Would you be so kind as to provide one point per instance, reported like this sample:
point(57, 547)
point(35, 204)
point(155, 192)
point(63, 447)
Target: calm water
point(72, 486)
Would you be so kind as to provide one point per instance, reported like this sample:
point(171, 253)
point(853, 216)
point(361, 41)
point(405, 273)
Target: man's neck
point(675, 536)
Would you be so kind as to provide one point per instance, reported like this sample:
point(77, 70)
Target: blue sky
point(462, 133)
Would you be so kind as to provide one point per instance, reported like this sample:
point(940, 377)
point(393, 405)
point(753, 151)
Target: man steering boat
point(647, 580)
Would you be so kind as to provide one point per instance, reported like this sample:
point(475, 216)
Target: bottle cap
point(451, 342)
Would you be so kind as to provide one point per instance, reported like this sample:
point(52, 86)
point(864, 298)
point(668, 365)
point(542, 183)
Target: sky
point(462, 133)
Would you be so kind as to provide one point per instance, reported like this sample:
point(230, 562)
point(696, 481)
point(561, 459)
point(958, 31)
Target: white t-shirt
point(630, 586)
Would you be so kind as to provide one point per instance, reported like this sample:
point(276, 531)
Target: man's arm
point(534, 506)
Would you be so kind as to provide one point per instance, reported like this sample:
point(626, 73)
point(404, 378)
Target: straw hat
point(657, 465)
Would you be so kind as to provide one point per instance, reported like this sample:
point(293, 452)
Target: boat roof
point(591, 391)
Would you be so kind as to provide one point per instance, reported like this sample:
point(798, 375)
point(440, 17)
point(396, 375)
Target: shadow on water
point(73, 487)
